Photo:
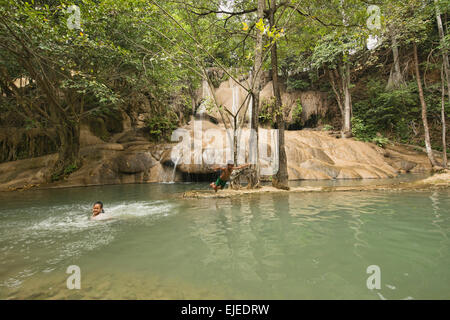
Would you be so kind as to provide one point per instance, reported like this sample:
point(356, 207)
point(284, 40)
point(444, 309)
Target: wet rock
point(404, 165)
point(347, 173)
point(161, 152)
point(135, 145)
point(298, 173)
point(310, 154)
point(320, 166)
point(111, 146)
point(131, 136)
point(165, 156)
point(134, 163)
point(88, 139)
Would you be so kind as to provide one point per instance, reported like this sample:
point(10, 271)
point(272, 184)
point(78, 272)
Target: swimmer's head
point(230, 163)
point(97, 208)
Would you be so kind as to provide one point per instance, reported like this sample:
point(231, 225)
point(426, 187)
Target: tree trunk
point(235, 183)
point(254, 125)
point(347, 129)
point(345, 76)
point(280, 179)
point(424, 109)
point(445, 61)
point(446, 67)
point(68, 155)
point(444, 132)
point(395, 77)
point(338, 92)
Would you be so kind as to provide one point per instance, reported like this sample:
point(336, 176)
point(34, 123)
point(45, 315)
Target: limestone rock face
point(317, 155)
point(135, 162)
point(230, 95)
point(329, 171)
point(22, 174)
point(129, 158)
point(313, 103)
point(87, 138)
point(406, 159)
point(310, 154)
point(404, 165)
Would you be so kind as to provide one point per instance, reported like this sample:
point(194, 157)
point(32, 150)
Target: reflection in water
point(257, 244)
point(437, 221)
point(279, 246)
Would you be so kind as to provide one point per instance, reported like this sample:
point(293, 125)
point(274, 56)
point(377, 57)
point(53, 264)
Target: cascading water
point(175, 169)
point(235, 95)
point(206, 91)
point(250, 104)
point(206, 94)
point(250, 110)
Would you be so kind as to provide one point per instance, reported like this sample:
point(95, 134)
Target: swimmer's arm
point(243, 166)
point(100, 218)
point(218, 168)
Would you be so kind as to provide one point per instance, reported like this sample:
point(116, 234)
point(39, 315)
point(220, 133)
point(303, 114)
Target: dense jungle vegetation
point(384, 64)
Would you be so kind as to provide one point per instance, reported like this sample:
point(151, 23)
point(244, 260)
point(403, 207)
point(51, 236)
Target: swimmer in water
point(97, 209)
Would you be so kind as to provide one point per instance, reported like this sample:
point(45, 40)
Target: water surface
point(263, 246)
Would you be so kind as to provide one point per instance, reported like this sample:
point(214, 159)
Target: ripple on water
point(77, 217)
point(46, 235)
point(261, 246)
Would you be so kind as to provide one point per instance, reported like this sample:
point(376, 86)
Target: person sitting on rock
point(225, 176)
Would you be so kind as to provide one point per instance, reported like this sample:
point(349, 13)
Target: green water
point(267, 246)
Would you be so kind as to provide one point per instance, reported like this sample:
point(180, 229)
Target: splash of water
point(77, 217)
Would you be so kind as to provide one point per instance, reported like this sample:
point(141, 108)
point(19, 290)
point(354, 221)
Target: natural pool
point(261, 246)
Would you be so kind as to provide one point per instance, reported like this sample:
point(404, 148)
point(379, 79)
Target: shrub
point(70, 169)
point(266, 112)
point(366, 133)
point(387, 110)
point(380, 141)
point(361, 131)
point(161, 126)
point(297, 113)
point(296, 84)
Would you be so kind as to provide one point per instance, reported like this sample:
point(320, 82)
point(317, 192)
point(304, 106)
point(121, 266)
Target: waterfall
point(175, 169)
point(250, 107)
point(235, 95)
point(250, 103)
point(206, 94)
